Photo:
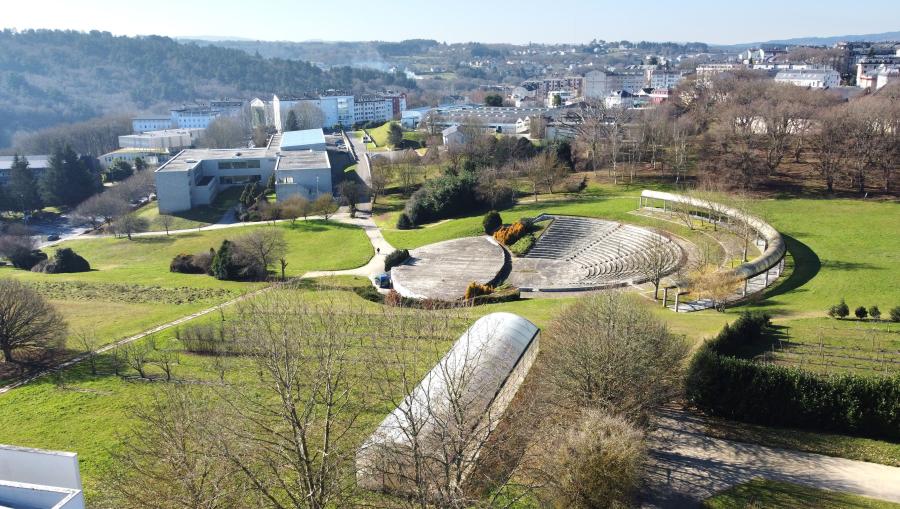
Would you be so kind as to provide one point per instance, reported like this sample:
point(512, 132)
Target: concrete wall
point(305, 178)
point(173, 189)
point(775, 249)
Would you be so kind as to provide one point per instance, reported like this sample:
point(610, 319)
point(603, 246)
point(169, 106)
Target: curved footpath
point(687, 466)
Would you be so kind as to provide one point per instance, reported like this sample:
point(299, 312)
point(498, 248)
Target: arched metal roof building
point(442, 423)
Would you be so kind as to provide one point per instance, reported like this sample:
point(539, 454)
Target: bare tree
point(381, 170)
point(588, 123)
point(28, 323)
point(89, 342)
point(107, 206)
point(609, 352)
point(136, 356)
point(325, 205)
point(169, 459)
point(288, 429)
point(309, 116)
point(166, 221)
point(166, 360)
point(656, 262)
point(828, 143)
point(129, 224)
point(223, 132)
point(261, 247)
point(294, 207)
point(350, 193)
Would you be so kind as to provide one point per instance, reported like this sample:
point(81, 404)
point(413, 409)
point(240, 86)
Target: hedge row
point(773, 395)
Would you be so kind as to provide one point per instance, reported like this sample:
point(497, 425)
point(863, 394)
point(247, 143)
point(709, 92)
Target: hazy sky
point(515, 21)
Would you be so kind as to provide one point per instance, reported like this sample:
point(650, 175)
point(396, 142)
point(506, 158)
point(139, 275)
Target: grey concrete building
point(195, 176)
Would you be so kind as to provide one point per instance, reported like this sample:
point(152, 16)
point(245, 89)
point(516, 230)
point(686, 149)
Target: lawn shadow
point(806, 266)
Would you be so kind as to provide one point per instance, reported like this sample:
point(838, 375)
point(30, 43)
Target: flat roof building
point(37, 164)
point(194, 177)
point(39, 479)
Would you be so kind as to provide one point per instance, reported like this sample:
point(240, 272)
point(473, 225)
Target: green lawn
point(130, 288)
point(380, 134)
point(196, 217)
point(763, 493)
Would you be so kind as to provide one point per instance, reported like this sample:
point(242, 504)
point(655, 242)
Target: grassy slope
point(198, 216)
point(776, 494)
point(145, 261)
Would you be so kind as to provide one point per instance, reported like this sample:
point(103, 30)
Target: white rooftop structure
point(39, 479)
point(464, 395)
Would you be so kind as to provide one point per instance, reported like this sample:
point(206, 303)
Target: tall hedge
point(773, 395)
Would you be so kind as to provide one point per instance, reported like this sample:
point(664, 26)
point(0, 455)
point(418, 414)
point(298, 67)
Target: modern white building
point(167, 139)
point(151, 123)
point(812, 78)
point(194, 177)
point(151, 156)
point(37, 165)
point(39, 479)
point(337, 109)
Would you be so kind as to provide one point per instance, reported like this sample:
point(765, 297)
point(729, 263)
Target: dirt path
point(82, 357)
point(687, 466)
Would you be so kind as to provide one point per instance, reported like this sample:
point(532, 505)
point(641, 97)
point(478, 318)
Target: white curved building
point(438, 429)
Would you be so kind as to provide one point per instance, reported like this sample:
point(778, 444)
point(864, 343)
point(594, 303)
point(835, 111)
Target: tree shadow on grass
point(806, 266)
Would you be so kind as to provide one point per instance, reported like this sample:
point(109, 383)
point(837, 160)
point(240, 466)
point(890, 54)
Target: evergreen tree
point(292, 124)
point(222, 264)
point(67, 181)
point(22, 191)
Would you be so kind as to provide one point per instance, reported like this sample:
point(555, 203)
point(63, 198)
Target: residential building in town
point(657, 78)
point(598, 84)
point(37, 164)
point(706, 72)
point(168, 139)
point(812, 78)
point(619, 99)
point(868, 71)
point(338, 109)
point(453, 136)
point(195, 176)
point(39, 479)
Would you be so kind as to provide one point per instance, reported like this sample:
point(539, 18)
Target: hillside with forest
point(49, 77)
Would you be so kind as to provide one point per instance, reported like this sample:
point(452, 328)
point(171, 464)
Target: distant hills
point(822, 41)
point(49, 77)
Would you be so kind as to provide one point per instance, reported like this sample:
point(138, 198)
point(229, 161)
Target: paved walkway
point(688, 466)
point(381, 246)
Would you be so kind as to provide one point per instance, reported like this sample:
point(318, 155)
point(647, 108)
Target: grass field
point(203, 215)
point(763, 493)
point(130, 287)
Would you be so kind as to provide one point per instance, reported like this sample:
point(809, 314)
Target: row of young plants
point(722, 384)
point(842, 310)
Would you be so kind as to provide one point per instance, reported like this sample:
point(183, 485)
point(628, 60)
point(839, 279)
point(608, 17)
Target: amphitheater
point(581, 253)
point(577, 253)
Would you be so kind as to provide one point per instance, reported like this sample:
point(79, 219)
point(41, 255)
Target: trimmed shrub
point(508, 235)
point(187, 264)
point(508, 294)
point(598, 462)
point(491, 222)
point(477, 290)
point(522, 246)
point(895, 314)
point(841, 310)
point(65, 261)
point(861, 312)
point(875, 313)
point(404, 222)
point(26, 260)
point(223, 265)
point(773, 395)
point(395, 258)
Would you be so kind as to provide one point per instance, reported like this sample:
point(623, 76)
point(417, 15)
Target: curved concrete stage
point(443, 270)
